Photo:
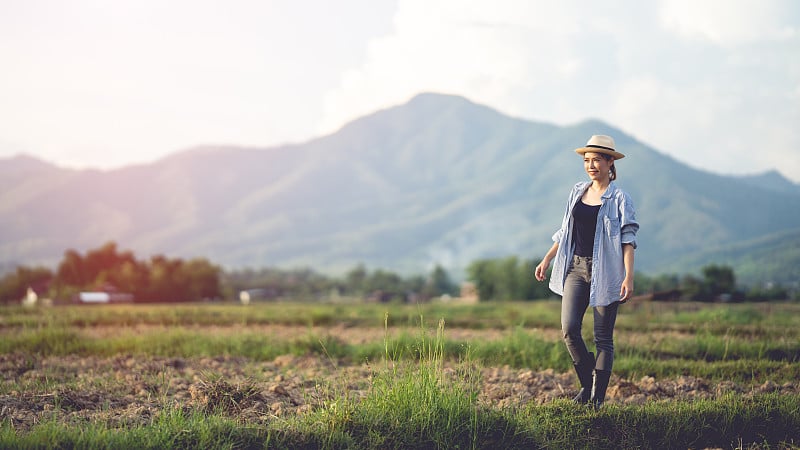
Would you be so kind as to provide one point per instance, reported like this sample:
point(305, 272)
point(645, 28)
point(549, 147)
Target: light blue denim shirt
point(616, 225)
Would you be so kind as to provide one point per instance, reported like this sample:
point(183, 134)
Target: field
point(354, 375)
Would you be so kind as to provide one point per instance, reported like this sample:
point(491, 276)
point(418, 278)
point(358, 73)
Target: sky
point(102, 84)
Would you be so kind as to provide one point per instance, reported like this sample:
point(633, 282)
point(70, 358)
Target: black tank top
point(584, 223)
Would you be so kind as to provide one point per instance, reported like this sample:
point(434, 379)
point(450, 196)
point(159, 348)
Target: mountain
point(772, 180)
point(773, 258)
point(436, 180)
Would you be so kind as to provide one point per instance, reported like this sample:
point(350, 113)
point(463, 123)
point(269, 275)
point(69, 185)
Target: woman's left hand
point(626, 291)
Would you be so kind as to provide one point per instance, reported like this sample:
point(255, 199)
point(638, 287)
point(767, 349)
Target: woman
point(592, 257)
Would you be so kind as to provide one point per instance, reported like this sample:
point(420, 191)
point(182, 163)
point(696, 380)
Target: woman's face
point(596, 166)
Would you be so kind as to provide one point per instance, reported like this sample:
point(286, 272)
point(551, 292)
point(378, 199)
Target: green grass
point(477, 316)
point(416, 409)
point(423, 391)
point(750, 319)
point(516, 348)
point(716, 357)
point(172, 428)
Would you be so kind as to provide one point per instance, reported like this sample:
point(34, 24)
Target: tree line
point(107, 269)
point(715, 283)
point(372, 285)
point(162, 279)
point(511, 278)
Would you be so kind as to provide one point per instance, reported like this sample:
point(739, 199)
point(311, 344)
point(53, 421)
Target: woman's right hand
point(541, 269)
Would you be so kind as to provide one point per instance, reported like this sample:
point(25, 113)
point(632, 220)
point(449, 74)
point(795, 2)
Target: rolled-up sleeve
point(628, 224)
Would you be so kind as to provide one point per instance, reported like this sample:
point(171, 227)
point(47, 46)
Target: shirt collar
point(612, 187)
point(609, 190)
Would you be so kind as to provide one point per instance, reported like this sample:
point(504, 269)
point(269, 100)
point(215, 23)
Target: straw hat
point(600, 144)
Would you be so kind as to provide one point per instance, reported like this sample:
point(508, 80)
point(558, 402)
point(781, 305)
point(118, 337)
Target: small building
point(103, 297)
point(30, 298)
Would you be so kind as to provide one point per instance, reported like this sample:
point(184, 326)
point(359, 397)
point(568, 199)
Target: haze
point(715, 84)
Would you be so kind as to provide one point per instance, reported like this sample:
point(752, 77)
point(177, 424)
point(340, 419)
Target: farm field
point(354, 375)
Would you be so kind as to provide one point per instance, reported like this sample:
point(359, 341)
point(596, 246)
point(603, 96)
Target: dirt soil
point(128, 390)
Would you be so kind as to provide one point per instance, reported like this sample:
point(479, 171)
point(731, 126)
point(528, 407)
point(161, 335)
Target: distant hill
point(773, 181)
point(436, 180)
point(774, 258)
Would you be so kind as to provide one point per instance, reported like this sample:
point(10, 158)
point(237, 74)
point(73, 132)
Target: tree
point(71, 270)
point(694, 288)
point(131, 277)
point(167, 282)
point(439, 283)
point(506, 279)
point(389, 283)
point(14, 285)
point(719, 280)
point(101, 266)
point(480, 273)
point(355, 280)
point(530, 288)
point(203, 279)
point(104, 261)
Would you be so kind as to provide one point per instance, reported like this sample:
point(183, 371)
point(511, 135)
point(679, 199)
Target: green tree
point(131, 276)
point(101, 264)
point(203, 279)
point(386, 282)
point(356, 280)
point(480, 273)
point(71, 271)
point(719, 279)
point(530, 288)
point(419, 285)
point(99, 267)
point(14, 285)
point(694, 288)
point(439, 283)
point(506, 279)
point(166, 281)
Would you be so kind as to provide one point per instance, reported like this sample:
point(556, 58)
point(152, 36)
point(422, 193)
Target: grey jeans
point(573, 307)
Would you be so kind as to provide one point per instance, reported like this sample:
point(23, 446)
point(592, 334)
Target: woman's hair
point(609, 158)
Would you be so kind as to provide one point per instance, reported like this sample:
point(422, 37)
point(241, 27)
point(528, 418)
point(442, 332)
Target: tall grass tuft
point(412, 402)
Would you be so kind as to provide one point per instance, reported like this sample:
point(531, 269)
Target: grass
point(423, 391)
point(764, 319)
point(424, 408)
point(716, 356)
point(173, 428)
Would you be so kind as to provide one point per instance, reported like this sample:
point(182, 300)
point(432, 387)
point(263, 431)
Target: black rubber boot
point(584, 371)
point(601, 378)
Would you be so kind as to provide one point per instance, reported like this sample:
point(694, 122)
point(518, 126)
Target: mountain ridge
point(437, 180)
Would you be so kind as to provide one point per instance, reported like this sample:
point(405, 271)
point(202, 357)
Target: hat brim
point(582, 150)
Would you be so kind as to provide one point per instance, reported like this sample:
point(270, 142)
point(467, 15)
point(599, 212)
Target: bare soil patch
point(126, 390)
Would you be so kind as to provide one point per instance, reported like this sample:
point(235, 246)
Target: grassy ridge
point(708, 356)
point(766, 319)
point(723, 346)
point(451, 420)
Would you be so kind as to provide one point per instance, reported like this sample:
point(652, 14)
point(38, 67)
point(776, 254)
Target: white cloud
point(728, 22)
point(703, 125)
point(459, 47)
point(688, 78)
point(110, 83)
point(101, 84)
